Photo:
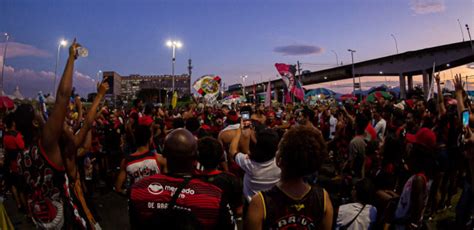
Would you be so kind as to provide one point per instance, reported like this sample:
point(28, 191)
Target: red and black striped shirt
point(152, 194)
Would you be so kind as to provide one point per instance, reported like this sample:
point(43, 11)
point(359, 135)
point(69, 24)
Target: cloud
point(298, 50)
point(16, 49)
point(31, 81)
point(427, 6)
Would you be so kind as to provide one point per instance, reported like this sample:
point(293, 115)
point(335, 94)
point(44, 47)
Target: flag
point(174, 100)
point(287, 97)
point(287, 74)
point(208, 86)
point(268, 96)
point(298, 90)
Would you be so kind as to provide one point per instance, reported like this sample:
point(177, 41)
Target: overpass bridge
point(404, 65)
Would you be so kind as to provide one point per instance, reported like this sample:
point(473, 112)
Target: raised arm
point(91, 115)
point(442, 108)
point(234, 145)
point(53, 127)
point(459, 90)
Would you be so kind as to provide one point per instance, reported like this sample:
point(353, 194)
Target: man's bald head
point(180, 143)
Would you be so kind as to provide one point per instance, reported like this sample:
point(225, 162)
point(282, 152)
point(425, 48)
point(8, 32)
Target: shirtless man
point(226, 136)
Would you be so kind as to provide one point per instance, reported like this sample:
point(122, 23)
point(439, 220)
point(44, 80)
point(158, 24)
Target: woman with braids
point(292, 203)
point(43, 161)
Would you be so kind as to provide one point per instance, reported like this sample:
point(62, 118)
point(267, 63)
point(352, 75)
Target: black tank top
point(283, 212)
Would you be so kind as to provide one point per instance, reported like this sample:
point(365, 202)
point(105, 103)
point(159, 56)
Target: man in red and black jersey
point(204, 202)
point(211, 154)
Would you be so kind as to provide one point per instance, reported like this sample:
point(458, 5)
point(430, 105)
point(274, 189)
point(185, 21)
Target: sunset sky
point(229, 38)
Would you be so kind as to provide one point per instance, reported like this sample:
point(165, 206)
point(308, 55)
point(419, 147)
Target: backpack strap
point(353, 219)
point(172, 203)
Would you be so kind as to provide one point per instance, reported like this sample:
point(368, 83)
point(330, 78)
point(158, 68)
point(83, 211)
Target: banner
point(287, 74)
point(208, 86)
point(174, 100)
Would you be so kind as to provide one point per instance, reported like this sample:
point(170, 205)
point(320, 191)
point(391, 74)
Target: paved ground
point(112, 209)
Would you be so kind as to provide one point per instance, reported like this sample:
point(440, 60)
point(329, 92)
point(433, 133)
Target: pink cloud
point(16, 49)
point(31, 81)
point(427, 6)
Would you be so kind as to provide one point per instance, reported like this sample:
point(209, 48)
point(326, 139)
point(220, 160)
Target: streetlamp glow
point(63, 42)
point(173, 45)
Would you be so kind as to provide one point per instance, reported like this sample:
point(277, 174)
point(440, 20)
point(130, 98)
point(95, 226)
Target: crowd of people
point(388, 164)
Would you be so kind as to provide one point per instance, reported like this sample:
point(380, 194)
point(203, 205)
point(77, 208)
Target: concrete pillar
point(426, 83)
point(403, 92)
point(410, 82)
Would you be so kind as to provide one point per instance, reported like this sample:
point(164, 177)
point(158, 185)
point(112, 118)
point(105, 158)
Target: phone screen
point(465, 118)
point(245, 115)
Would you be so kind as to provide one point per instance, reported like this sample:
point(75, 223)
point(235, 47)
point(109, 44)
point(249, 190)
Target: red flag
point(298, 91)
point(287, 97)
point(286, 74)
point(294, 87)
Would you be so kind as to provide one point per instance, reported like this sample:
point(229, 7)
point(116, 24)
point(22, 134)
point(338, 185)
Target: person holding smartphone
point(465, 204)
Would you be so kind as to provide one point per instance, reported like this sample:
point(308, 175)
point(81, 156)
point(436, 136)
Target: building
point(127, 87)
point(114, 80)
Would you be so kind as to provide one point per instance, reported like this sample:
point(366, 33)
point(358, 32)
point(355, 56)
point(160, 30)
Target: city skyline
point(226, 38)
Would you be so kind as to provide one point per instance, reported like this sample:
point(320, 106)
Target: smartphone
point(465, 118)
point(245, 115)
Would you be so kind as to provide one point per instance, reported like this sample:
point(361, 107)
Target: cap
point(270, 113)
point(452, 102)
point(409, 103)
point(232, 116)
point(424, 136)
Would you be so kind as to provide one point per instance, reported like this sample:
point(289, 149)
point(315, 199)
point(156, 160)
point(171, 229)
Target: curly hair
point(302, 150)
point(210, 152)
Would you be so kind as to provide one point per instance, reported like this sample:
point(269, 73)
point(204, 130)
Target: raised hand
point(73, 49)
point(436, 77)
point(103, 87)
point(458, 84)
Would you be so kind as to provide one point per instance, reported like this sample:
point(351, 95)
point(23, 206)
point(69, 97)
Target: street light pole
point(353, 73)
point(173, 45)
point(460, 27)
point(61, 43)
point(243, 84)
point(337, 59)
point(4, 56)
point(396, 43)
point(98, 75)
point(470, 39)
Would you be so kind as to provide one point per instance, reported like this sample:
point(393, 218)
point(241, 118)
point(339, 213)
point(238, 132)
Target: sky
point(229, 38)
